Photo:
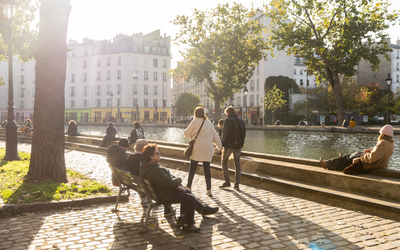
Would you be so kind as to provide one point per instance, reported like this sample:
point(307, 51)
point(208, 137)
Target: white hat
point(387, 130)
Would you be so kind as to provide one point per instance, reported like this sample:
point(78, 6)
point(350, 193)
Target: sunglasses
point(157, 153)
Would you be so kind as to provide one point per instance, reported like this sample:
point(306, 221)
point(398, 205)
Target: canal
point(309, 145)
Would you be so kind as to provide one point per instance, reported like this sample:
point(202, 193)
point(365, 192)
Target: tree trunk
point(217, 109)
point(47, 157)
point(334, 81)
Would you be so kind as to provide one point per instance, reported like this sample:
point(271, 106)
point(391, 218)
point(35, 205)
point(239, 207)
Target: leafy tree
point(225, 45)
point(332, 35)
point(24, 34)
point(47, 158)
point(186, 104)
point(274, 99)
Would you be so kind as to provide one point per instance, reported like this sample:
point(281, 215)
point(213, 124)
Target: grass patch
point(14, 189)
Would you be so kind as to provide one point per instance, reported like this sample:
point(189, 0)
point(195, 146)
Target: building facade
point(126, 79)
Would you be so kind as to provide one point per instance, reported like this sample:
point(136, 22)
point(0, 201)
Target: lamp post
point(388, 83)
point(307, 98)
point(11, 125)
point(111, 96)
point(246, 91)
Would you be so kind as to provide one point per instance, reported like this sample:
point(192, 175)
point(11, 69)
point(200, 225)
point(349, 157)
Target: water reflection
point(309, 145)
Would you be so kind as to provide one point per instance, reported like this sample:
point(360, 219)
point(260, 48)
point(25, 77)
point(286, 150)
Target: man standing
point(234, 133)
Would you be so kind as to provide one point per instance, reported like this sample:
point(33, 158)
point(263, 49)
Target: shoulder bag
point(188, 151)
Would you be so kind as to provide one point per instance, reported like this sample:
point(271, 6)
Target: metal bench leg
point(147, 214)
point(172, 211)
point(116, 204)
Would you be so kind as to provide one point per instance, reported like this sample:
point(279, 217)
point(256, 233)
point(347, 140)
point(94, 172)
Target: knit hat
point(387, 130)
point(123, 143)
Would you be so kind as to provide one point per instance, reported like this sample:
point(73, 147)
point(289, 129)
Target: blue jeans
point(236, 156)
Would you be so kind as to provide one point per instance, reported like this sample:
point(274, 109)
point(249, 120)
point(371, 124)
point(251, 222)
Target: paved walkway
point(249, 219)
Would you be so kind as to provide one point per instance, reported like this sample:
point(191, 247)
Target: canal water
point(309, 145)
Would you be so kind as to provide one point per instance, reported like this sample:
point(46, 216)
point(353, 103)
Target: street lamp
point(389, 83)
point(111, 96)
point(246, 91)
point(307, 98)
point(11, 125)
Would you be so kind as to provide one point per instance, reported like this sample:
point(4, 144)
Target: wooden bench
point(127, 181)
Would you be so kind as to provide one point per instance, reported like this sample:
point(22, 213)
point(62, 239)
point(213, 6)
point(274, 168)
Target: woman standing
point(203, 147)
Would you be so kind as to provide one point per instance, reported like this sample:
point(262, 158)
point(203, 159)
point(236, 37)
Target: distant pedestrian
point(233, 136)
point(345, 123)
point(3, 125)
point(278, 122)
point(111, 132)
point(203, 149)
point(352, 123)
point(72, 128)
point(220, 126)
point(136, 133)
point(301, 123)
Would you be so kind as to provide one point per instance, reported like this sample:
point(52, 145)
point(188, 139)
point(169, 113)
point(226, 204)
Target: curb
point(75, 204)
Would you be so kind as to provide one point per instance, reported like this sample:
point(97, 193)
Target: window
point(72, 64)
point(108, 89)
point(135, 61)
point(98, 75)
point(295, 71)
point(85, 103)
point(164, 104)
point(155, 62)
point(258, 84)
point(98, 102)
point(146, 89)
point(301, 72)
point(146, 62)
point(146, 48)
point(119, 75)
point(135, 75)
point(155, 90)
point(72, 52)
point(119, 60)
point(98, 62)
point(397, 78)
point(147, 115)
point(301, 82)
point(85, 51)
point(154, 102)
point(164, 91)
point(72, 77)
point(258, 103)
point(72, 91)
point(155, 76)
point(85, 90)
point(397, 56)
point(98, 89)
point(238, 101)
point(22, 79)
point(251, 100)
point(164, 64)
point(251, 84)
point(146, 102)
point(108, 102)
point(135, 89)
point(397, 66)
point(85, 63)
point(22, 93)
point(164, 76)
point(84, 77)
point(134, 103)
point(118, 89)
point(146, 75)
point(108, 75)
point(258, 69)
point(135, 47)
point(164, 51)
point(21, 104)
point(72, 103)
point(108, 61)
point(118, 102)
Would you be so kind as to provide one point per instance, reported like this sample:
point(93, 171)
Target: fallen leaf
point(266, 230)
point(239, 227)
point(341, 223)
point(181, 237)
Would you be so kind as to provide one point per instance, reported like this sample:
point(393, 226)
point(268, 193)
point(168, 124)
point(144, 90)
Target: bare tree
point(47, 158)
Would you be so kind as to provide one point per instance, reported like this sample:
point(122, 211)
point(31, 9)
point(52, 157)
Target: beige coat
point(203, 149)
point(379, 156)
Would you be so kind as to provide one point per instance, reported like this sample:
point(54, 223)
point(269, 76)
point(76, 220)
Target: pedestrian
point(233, 136)
point(170, 189)
point(111, 132)
point(301, 123)
point(278, 122)
point(203, 149)
point(376, 157)
point(352, 123)
point(345, 123)
point(72, 128)
point(220, 126)
point(136, 133)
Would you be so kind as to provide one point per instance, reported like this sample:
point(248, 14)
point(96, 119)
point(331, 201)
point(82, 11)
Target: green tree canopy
point(274, 99)
point(225, 45)
point(332, 35)
point(186, 104)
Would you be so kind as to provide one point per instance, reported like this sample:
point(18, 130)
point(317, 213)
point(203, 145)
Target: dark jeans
point(236, 156)
point(206, 169)
point(106, 139)
point(342, 162)
point(188, 204)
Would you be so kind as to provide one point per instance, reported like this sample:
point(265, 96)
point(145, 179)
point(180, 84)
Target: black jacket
point(134, 135)
point(133, 163)
point(116, 157)
point(228, 136)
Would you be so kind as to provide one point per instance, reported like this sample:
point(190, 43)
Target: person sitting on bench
point(116, 154)
point(170, 189)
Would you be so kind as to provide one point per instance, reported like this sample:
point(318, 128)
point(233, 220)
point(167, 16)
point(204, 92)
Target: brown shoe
point(323, 163)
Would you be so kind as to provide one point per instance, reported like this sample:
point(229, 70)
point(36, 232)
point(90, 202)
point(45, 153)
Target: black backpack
point(238, 134)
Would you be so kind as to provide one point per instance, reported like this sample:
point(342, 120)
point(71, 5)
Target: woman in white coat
point(203, 149)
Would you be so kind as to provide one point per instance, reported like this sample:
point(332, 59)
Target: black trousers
point(342, 162)
point(189, 204)
point(192, 171)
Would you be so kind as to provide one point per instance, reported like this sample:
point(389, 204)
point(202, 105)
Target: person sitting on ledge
point(170, 189)
point(111, 132)
point(72, 128)
point(360, 162)
point(352, 123)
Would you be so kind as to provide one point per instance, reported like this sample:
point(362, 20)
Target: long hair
point(199, 112)
point(148, 151)
point(72, 122)
point(384, 137)
point(136, 124)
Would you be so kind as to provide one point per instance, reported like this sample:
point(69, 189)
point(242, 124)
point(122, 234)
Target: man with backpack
point(136, 133)
point(233, 135)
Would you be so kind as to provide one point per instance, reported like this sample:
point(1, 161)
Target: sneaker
point(180, 222)
point(167, 212)
point(225, 185)
point(236, 187)
point(209, 193)
point(322, 162)
point(191, 228)
point(209, 210)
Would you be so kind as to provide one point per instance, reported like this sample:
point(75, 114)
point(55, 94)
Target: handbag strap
point(199, 129)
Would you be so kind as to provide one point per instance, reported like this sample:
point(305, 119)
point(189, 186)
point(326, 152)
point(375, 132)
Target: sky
point(101, 19)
